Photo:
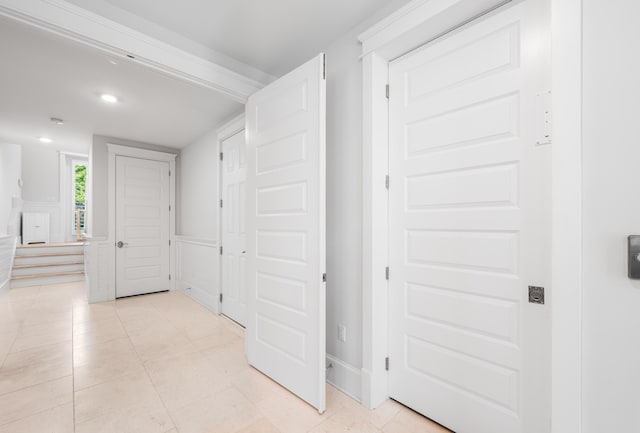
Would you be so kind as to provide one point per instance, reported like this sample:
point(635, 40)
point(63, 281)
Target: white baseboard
point(201, 296)
point(345, 377)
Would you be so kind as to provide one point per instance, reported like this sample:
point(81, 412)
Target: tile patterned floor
point(157, 363)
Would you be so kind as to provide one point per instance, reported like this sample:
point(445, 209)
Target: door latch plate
point(536, 295)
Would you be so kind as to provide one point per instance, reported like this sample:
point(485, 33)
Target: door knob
point(121, 244)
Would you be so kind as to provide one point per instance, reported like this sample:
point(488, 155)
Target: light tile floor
point(157, 363)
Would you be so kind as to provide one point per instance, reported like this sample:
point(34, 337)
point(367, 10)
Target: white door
point(234, 235)
point(469, 216)
point(142, 226)
point(285, 335)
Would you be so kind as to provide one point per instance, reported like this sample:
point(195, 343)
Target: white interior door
point(234, 234)
point(285, 335)
point(469, 208)
point(142, 226)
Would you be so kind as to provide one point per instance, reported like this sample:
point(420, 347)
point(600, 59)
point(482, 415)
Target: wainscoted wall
point(98, 268)
point(53, 209)
point(198, 269)
point(7, 252)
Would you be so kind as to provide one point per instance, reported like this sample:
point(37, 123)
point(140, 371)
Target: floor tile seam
point(6, 355)
point(37, 384)
point(73, 371)
point(36, 413)
point(41, 345)
point(146, 371)
point(155, 389)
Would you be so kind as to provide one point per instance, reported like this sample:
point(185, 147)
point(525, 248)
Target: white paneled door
point(234, 234)
point(469, 220)
point(142, 226)
point(285, 335)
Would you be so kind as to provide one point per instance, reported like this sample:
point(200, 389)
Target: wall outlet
point(342, 333)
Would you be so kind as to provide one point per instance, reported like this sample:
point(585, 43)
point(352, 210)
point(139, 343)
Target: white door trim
point(73, 22)
point(411, 26)
point(229, 129)
point(119, 150)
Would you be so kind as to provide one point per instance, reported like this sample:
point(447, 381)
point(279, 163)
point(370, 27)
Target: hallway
point(158, 363)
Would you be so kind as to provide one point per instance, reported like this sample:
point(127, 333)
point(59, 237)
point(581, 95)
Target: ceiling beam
point(81, 25)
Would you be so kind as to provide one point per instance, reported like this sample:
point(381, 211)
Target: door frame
point(228, 130)
point(412, 26)
point(115, 150)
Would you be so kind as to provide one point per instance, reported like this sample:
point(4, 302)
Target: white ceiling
point(43, 75)
point(273, 36)
point(48, 75)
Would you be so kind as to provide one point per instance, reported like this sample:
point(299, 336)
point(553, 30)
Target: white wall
point(97, 187)
point(611, 211)
point(10, 174)
point(344, 203)
point(40, 173)
point(41, 190)
point(197, 256)
point(198, 188)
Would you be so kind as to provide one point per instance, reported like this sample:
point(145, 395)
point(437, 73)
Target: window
point(79, 183)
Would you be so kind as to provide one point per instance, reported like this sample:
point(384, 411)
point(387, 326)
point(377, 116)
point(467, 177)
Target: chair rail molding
point(81, 25)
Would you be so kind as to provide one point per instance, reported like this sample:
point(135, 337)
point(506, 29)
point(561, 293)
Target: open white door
point(285, 335)
point(142, 226)
point(233, 303)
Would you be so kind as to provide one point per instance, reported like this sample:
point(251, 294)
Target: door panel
point(142, 225)
point(286, 231)
point(234, 235)
point(469, 227)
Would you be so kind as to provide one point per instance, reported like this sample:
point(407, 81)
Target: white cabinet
point(35, 227)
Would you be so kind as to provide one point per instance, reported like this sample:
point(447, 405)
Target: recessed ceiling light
point(108, 98)
point(45, 140)
point(57, 121)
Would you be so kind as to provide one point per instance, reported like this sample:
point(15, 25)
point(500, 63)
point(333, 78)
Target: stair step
point(74, 253)
point(28, 250)
point(40, 280)
point(51, 245)
point(47, 269)
point(40, 265)
point(28, 260)
point(55, 274)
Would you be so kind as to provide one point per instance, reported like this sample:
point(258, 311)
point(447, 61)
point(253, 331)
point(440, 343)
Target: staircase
point(39, 264)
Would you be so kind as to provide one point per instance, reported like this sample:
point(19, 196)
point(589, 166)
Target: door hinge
point(221, 298)
point(386, 272)
point(169, 173)
point(324, 66)
point(324, 278)
point(221, 157)
point(220, 249)
point(387, 91)
point(220, 202)
point(386, 182)
point(169, 208)
point(169, 242)
point(169, 277)
point(386, 363)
